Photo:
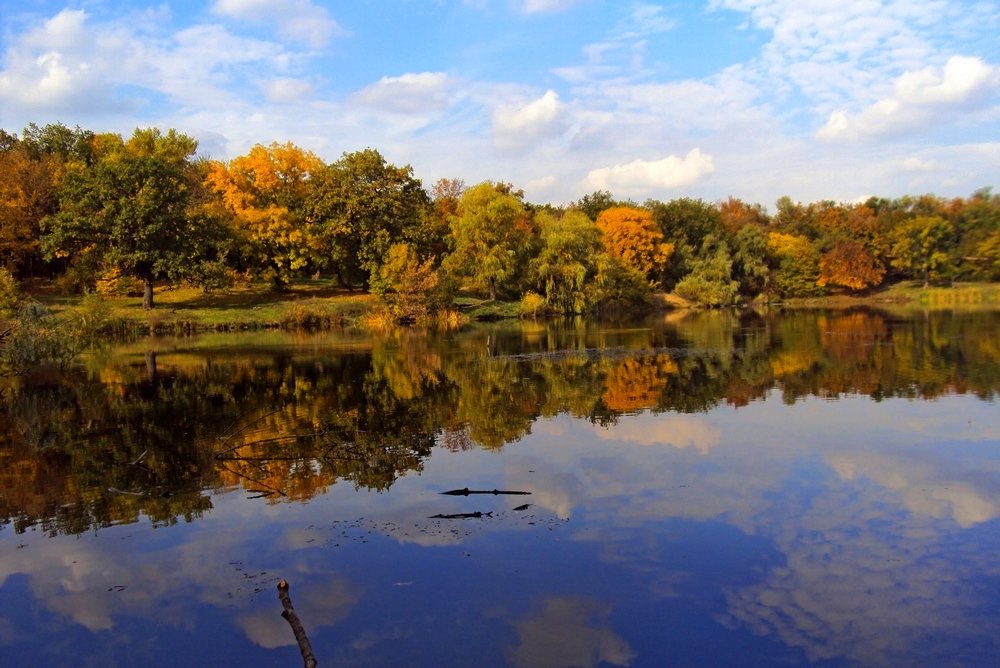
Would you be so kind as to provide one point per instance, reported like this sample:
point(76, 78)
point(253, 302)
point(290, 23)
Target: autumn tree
point(27, 194)
point(685, 222)
point(410, 288)
point(850, 265)
point(492, 232)
point(129, 208)
point(795, 265)
point(920, 246)
point(735, 214)
point(632, 235)
point(265, 191)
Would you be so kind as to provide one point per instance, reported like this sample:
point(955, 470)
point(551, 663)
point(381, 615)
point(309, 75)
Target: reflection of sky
point(841, 530)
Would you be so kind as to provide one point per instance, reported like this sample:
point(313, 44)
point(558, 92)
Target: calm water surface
point(704, 489)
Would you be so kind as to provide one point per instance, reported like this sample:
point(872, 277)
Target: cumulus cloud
point(919, 98)
point(644, 175)
point(293, 19)
point(411, 93)
point(516, 128)
point(55, 67)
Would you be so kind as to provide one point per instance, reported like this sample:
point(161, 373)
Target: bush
point(531, 305)
point(111, 283)
point(10, 295)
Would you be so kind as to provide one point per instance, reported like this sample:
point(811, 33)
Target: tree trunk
point(147, 293)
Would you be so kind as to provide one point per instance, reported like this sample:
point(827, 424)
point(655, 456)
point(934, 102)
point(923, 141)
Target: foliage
point(10, 294)
point(564, 266)
point(849, 264)
point(532, 305)
point(265, 191)
point(359, 206)
point(594, 204)
point(409, 288)
point(920, 246)
point(618, 285)
point(631, 235)
point(492, 232)
point(129, 209)
point(750, 268)
point(795, 265)
point(710, 282)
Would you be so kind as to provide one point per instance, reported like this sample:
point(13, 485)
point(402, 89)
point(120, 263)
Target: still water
point(806, 488)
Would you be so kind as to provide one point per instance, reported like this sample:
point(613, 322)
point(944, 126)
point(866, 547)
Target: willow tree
point(492, 233)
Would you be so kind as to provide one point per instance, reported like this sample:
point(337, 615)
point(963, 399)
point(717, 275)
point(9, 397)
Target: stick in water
point(293, 620)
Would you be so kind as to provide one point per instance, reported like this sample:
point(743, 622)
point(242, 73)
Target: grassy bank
point(912, 295)
point(307, 304)
point(320, 304)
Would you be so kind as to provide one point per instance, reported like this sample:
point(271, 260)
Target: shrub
point(10, 295)
point(531, 305)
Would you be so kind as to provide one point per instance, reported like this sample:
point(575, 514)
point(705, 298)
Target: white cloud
point(919, 98)
point(675, 431)
point(293, 19)
point(411, 93)
point(287, 89)
point(913, 164)
point(55, 67)
point(517, 128)
point(641, 176)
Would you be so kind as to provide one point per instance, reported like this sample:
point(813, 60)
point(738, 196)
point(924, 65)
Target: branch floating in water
point(465, 491)
point(308, 659)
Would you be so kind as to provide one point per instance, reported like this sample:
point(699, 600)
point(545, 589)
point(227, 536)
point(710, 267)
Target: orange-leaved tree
point(265, 190)
point(632, 235)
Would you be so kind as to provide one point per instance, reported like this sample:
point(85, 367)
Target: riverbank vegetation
point(87, 212)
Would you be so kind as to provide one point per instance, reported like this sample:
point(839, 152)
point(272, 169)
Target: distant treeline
point(99, 211)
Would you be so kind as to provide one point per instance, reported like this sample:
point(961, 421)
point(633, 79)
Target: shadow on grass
point(244, 298)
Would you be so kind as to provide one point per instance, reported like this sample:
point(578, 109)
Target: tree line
point(97, 210)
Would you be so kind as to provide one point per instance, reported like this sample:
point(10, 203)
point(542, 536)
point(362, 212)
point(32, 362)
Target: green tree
point(359, 206)
point(564, 266)
point(129, 209)
point(710, 282)
point(920, 246)
point(492, 233)
point(795, 265)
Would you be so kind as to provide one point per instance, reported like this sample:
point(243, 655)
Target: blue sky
point(815, 99)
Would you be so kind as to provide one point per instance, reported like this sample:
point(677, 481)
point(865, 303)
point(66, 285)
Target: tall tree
point(129, 208)
point(920, 246)
point(632, 235)
point(361, 205)
point(565, 265)
point(266, 190)
point(492, 231)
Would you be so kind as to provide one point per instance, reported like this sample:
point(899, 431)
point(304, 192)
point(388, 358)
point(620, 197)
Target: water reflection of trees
point(148, 435)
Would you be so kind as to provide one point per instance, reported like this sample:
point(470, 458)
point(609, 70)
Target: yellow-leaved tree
point(265, 190)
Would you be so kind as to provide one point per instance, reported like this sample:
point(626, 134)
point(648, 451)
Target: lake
point(705, 489)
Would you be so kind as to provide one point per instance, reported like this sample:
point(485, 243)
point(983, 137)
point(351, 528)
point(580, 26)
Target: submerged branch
point(308, 659)
point(466, 492)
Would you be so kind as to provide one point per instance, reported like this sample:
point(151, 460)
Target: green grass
point(306, 304)
point(908, 295)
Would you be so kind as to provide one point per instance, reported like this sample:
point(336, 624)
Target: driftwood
point(466, 492)
point(308, 659)
point(460, 516)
